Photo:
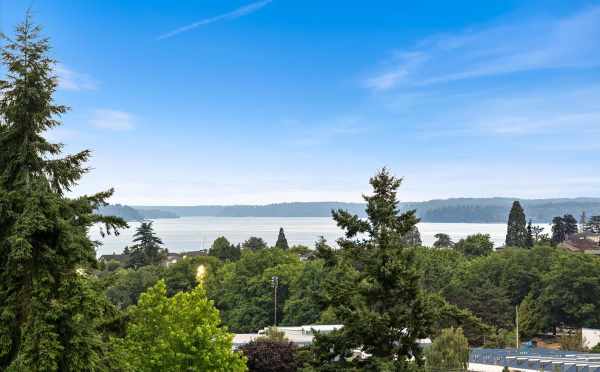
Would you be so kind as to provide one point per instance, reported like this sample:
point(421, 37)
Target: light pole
point(275, 284)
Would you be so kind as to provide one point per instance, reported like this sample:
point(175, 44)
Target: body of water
point(195, 233)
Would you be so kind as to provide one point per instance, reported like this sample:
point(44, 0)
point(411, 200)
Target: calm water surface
point(194, 233)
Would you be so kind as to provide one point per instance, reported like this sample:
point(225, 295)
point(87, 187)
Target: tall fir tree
point(281, 240)
point(516, 235)
point(50, 313)
point(530, 238)
point(147, 249)
point(559, 232)
point(374, 288)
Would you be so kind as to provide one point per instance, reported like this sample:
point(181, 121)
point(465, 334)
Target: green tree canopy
point(449, 351)
point(180, 333)
point(516, 235)
point(254, 244)
point(224, 251)
point(50, 314)
point(242, 289)
point(475, 245)
point(282, 242)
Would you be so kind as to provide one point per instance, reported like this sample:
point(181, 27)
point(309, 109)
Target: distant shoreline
point(458, 210)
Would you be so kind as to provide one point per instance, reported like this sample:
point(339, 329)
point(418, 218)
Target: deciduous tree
point(224, 251)
point(449, 351)
point(180, 333)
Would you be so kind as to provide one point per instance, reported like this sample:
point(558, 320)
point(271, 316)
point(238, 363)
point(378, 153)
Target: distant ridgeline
point(466, 210)
point(133, 214)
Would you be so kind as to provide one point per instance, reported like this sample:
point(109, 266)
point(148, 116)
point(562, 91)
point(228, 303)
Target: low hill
point(467, 210)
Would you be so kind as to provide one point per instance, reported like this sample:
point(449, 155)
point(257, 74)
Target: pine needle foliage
point(375, 289)
point(50, 314)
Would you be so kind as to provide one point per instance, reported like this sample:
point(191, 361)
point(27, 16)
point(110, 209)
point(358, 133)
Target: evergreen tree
point(570, 225)
point(530, 239)
point(281, 240)
point(442, 241)
point(516, 235)
point(147, 250)
point(375, 289)
point(50, 313)
point(559, 232)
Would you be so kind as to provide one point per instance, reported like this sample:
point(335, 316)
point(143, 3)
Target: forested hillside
point(467, 210)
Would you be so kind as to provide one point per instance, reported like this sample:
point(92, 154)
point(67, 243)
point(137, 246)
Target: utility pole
point(517, 316)
point(275, 284)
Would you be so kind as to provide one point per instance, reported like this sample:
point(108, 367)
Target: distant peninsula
point(456, 210)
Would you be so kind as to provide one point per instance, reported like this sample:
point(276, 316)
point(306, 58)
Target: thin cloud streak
point(536, 44)
point(113, 120)
point(72, 80)
point(240, 12)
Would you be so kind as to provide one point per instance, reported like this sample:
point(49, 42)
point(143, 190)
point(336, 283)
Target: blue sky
point(225, 102)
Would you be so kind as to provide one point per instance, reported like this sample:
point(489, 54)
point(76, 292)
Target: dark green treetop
point(571, 226)
point(516, 235)
point(224, 250)
point(559, 230)
point(50, 314)
point(530, 237)
point(281, 240)
point(475, 245)
point(442, 241)
point(254, 244)
point(147, 249)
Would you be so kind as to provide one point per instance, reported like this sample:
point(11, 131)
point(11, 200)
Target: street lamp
point(275, 284)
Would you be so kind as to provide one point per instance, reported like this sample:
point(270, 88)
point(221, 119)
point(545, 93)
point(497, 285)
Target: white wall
point(591, 337)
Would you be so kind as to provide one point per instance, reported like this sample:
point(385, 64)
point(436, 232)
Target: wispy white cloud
point(534, 44)
point(73, 80)
point(113, 120)
point(539, 112)
point(239, 12)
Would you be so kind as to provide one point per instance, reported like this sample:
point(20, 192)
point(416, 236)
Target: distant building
point(585, 242)
point(122, 258)
point(299, 335)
